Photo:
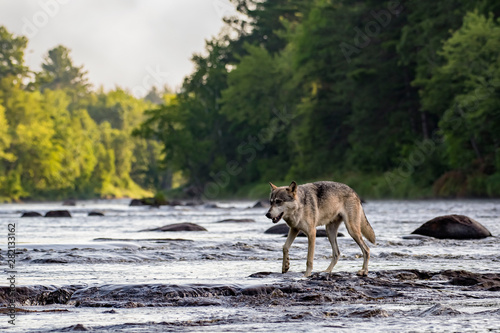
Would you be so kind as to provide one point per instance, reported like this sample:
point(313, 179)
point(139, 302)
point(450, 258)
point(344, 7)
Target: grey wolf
point(305, 207)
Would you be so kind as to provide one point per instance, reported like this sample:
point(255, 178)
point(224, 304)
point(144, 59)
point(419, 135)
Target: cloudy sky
point(128, 43)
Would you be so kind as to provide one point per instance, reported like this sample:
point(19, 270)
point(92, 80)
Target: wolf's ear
point(273, 187)
point(293, 187)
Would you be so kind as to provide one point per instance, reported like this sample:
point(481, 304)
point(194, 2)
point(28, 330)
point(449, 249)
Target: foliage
point(56, 137)
point(397, 99)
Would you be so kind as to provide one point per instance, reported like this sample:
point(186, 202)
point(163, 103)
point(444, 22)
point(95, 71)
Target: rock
point(211, 206)
point(58, 213)
point(75, 328)
point(261, 204)
point(453, 227)
point(154, 202)
point(278, 229)
point(320, 233)
point(96, 213)
point(179, 227)
point(69, 202)
point(193, 203)
point(416, 237)
point(136, 202)
point(31, 214)
point(236, 221)
point(282, 229)
point(439, 310)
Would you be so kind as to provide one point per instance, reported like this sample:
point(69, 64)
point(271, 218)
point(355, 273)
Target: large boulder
point(282, 229)
point(31, 214)
point(179, 227)
point(58, 213)
point(453, 227)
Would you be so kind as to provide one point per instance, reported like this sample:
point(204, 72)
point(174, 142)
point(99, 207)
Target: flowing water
point(107, 275)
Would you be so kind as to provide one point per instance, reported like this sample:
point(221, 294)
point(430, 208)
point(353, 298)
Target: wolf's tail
point(366, 229)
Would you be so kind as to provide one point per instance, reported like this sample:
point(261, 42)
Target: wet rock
point(58, 213)
point(417, 237)
point(261, 204)
point(153, 202)
point(156, 240)
point(407, 276)
point(38, 295)
point(49, 261)
point(279, 229)
point(282, 229)
point(96, 213)
point(236, 221)
point(31, 214)
point(211, 206)
point(261, 274)
point(439, 310)
point(257, 290)
point(136, 202)
point(69, 202)
point(199, 302)
point(371, 313)
point(320, 289)
point(193, 203)
point(75, 328)
point(178, 227)
point(453, 227)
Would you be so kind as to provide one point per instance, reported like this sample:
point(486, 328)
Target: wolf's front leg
point(311, 242)
point(292, 233)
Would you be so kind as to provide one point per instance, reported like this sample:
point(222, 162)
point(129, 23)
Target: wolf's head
point(282, 199)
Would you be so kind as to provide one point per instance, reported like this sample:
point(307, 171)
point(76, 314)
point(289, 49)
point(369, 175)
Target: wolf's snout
point(274, 219)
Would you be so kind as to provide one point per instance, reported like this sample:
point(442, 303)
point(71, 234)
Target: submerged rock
point(453, 227)
point(236, 221)
point(282, 229)
point(31, 214)
point(69, 202)
point(96, 213)
point(58, 213)
point(178, 227)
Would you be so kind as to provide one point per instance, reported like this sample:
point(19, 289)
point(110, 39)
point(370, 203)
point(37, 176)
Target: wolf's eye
point(278, 201)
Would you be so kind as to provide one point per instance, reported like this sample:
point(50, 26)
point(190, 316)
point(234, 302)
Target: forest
point(395, 99)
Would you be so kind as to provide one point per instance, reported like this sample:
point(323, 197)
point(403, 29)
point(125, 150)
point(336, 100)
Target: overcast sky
point(130, 43)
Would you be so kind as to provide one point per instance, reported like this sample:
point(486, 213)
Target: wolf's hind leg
point(331, 232)
point(364, 248)
point(354, 228)
point(292, 233)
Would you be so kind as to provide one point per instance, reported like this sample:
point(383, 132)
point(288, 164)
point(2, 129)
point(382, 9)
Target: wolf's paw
point(363, 272)
point(286, 266)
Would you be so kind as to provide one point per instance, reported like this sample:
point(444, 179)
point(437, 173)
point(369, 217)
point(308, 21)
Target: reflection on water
point(95, 251)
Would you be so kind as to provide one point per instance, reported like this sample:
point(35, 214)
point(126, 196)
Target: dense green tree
point(470, 79)
point(12, 54)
